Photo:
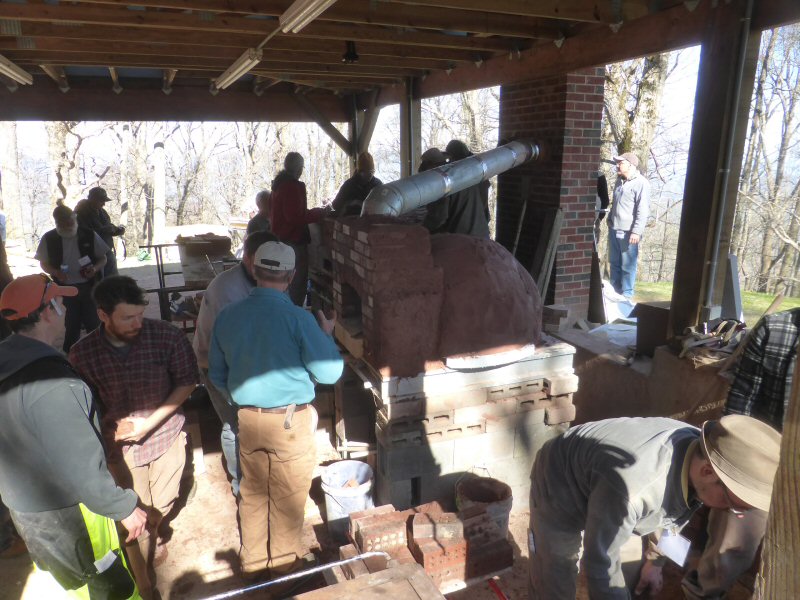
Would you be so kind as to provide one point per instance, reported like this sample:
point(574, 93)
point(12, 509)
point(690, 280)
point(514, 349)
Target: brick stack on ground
point(452, 548)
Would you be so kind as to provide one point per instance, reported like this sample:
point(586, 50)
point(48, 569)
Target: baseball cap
point(744, 453)
point(98, 193)
point(27, 294)
point(630, 157)
point(274, 256)
point(435, 156)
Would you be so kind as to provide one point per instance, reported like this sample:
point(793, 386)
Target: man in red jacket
point(290, 216)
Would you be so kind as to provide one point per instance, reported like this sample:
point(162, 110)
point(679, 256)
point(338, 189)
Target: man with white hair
point(270, 373)
point(626, 222)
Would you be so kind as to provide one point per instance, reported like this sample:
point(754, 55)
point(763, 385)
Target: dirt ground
point(202, 551)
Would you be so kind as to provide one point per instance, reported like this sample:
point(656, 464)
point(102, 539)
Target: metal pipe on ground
point(404, 195)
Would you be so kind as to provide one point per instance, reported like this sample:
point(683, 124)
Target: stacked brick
point(385, 273)
point(427, 441)
point(566, 111)
point(452, 548)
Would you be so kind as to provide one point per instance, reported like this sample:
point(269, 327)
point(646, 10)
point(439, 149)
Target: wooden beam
point(779, 577)
point(572, 10)
point(33, 45)
point(167, 77)
point(237, 41)
point(368, 126)
point(701, 197)
point(116, 88)
point(312, 111)
point(99, 103)
point(57, 74)
point(150, 19)
point(380, 14)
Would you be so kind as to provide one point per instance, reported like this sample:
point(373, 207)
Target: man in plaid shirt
point(142, 370)
point(761, 388)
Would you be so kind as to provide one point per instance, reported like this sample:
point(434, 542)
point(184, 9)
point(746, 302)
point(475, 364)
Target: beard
point(123, 336)
point(67, 232)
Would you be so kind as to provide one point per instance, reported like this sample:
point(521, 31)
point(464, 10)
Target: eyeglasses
point(47, 282)
point(739, 512)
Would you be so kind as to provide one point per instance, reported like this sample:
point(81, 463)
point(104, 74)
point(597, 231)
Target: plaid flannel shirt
point(160, 360)
point(763, 379)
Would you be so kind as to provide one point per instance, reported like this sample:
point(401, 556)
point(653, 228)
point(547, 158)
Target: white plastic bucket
point(340, 501)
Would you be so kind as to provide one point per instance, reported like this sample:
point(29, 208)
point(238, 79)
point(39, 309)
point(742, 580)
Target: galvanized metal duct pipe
point(405, 195)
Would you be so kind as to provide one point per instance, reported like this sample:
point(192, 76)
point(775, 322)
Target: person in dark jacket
point(92, 215)
point(290, 217)
point(465, 211)
point(355, 190)
point(53, 474)
point(73, 255)
point(260, 221)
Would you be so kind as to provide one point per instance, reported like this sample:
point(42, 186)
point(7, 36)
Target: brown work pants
point(276, 465)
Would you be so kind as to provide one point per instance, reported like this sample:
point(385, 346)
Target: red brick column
point(564, 112)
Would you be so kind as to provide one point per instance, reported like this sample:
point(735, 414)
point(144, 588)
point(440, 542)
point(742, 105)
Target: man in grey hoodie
point(53, 474)
point(627, 219)
point(619, 477)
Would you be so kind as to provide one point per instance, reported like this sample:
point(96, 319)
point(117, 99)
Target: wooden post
point(714, 111)
point(159, 193)
point(410, 130)
point(779, 577)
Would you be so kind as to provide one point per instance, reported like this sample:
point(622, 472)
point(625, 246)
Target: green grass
point(754, 304)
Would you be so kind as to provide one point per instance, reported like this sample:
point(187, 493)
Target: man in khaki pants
point(270, 373)
point(143, 371)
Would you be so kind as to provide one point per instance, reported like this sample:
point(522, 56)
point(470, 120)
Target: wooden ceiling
point(181, 45)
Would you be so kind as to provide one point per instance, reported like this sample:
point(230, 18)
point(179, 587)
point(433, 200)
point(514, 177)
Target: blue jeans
point(622, 257)
point(230, 430)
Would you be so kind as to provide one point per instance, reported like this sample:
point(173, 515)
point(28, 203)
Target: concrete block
point(560, 414)
point(475, 451)
point(437, 526)
point(439, 487)
point(511, 471)
point(557, 385)
point(409, 461)
point(396, 492)
point(524, 420)
point(528, 440)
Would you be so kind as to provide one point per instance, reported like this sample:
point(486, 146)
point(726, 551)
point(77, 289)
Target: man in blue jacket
point(268, 354)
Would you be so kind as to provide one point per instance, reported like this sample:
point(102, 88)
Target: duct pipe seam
point(407, 194)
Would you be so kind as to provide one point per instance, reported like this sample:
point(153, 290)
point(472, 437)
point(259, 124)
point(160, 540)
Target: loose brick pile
point(452, 548)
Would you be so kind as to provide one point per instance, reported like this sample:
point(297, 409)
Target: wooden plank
point(574, 10)
point(406, 582)
point(707, 147)
point(99, 103)
point(779, 575)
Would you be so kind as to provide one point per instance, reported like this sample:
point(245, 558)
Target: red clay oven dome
point(490, 304)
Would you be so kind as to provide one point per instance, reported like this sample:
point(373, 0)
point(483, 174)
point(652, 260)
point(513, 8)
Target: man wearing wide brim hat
point(53, 473)
point(620, 477)
point(761, 388)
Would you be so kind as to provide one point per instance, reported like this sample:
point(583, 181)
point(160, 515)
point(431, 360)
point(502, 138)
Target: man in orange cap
point(53, 474)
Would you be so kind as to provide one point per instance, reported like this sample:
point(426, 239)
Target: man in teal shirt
point(268, 354)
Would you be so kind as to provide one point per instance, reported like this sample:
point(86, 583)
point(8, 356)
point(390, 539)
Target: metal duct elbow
point(404, 195)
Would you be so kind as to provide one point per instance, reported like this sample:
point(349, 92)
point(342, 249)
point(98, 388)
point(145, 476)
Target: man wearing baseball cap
point(620, 477)
point(53, 474)
point(92, 215)
point(626, 222)
point(268, 354)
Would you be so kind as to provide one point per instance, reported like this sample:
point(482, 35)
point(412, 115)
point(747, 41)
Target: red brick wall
point(564, 112)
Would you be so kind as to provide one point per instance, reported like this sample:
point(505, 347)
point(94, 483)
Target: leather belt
point(278, 410)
